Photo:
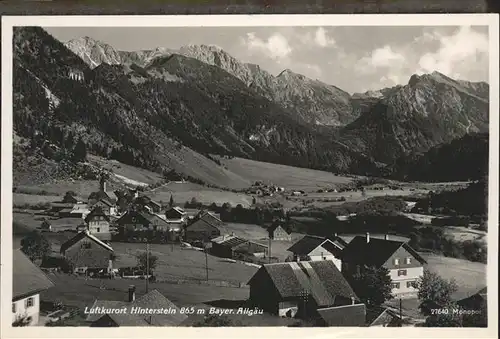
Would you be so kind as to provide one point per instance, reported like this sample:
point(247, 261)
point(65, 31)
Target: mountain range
point(170, 109)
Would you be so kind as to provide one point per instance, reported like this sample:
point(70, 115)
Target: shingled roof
point(80, 236)
point(309, 242)
point(376, 252)
point(152, 300)
point(322, 279)
point(27, 278)
point(96, 211)
point(348, 315)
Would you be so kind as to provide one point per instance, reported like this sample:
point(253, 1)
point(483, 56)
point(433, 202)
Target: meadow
point(292, 178)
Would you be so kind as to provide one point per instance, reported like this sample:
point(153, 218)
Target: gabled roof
point(96, 212)
point(106, 202)
point(321, 279)
point(348, 315)
point(474, 301)
point(380, 316)
point(27, 278)
point(201, 223)
point(376, 252)
point(99, 195)
point(151, 300)
point(210, 218)
point(309, 242)
point(274, 226)
point(133, 217)
point(80, 236)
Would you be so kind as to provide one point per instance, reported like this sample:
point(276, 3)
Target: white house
point(28, 282)
point(313, 248)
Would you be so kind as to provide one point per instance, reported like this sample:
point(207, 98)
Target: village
point(122, 250)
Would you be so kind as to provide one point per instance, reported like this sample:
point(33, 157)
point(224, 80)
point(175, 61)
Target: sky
point(355, 59)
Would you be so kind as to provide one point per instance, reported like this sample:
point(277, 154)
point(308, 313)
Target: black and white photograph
point(236, 173)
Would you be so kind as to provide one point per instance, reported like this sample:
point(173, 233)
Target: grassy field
point(183, 192)
point(465, 234)
point(79, 292)
point(470, 276)
point(184, 263)
point(292, 178)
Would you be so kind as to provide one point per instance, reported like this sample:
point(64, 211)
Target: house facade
point(300, 289)
point(405, 265)
point(313, 248)
point(277, 232)
point(200, 230)
point(27, 283)
point(132, 221)
point(98, 223)
point(88, 254)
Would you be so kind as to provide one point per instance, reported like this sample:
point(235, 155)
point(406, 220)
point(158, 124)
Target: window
point(396, 261)
point(30, 302)
point(395, 285)
point(98, 229)
point(401, 272)
point(408, 260)
point(412, 284)
point(14, 307)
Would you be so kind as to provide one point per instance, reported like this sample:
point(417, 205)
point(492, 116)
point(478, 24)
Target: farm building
point(88, 254)
point(229, 246)
point(70, 199)
point(102, 194)
point(312, 290)
point(80, 210)
point(313, 248)
point(62, 224)
point(176, 214)
point(346, 316)
point(98, 223)
point(58, 206)
point(148, 203)
point(406, 266)
point(201, 230)
point(132, 221)
point(107, 206)
point(191, 213)
point(27, 283)
point(151, 300)
point(278, 231)
point(211, 218)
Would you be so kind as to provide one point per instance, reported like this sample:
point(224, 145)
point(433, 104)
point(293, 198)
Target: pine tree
point(171, 203)
point(80, 151)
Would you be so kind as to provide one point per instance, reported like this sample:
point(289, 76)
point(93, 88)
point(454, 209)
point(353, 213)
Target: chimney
point(353, 300)
point(386, 237)
point(367, 237)
point(336, 235)
point(131, 293)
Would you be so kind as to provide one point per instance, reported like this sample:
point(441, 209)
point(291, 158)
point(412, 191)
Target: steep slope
point(53, 111)
point(311, 100)
point(431, 109)
point(169, 115)
point(462, 159)
point(94, 52)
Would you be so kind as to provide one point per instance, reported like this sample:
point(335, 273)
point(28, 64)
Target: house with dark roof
point(27, 282)
point(477, 307)
point(98, 223)
point(107, 206)
point(230, 246)
point(405, 265)
point(133, 311)
point(309, 289)
point(148, 203)
point(88, 254)
point(381, 317)
point(210, 218)
point(176, 214)
point(278, 231)
point(102, 194)
point(345, 316)
point(201, 230)
point(314, 248)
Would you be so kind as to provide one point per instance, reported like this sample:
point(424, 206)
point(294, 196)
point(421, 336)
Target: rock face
point(165, 109)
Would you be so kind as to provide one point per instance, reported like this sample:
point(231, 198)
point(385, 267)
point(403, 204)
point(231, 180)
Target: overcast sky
point(355, 59)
